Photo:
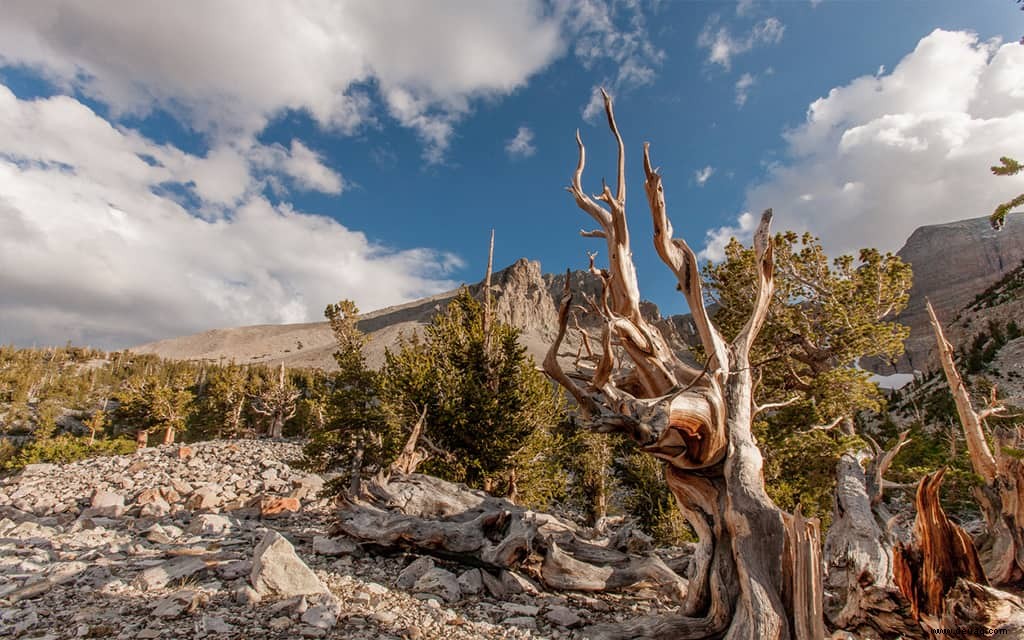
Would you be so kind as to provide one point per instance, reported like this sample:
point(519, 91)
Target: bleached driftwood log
point(450, 521)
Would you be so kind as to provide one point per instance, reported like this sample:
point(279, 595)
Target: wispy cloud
point(723, 46)
point(610, 38)
point(521, 145)
point(744, 7)
point(743, 86)
point(702, 175)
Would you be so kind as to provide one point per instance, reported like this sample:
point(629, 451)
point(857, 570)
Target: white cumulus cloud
point(229, 67)
point(889, 152)
point(717, 239)
point(702, 175)
point(100, 245)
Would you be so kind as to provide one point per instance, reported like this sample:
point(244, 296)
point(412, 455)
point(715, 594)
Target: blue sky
point(162, 175)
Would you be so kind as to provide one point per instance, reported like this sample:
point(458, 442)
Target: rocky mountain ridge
point(952, 262)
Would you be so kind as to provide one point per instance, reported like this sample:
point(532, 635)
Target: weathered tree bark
point(450, 521)
point(141, 438)
point(1001, 546)
point(753, 574)
point(861, 595)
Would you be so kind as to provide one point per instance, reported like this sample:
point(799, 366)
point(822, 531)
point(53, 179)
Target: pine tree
point(1006, 167)
point(823, 318)
point(224, 401)
point(353, 434)
point(486, 402)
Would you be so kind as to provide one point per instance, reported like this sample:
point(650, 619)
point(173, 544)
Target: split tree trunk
point(754, 573)
point(1001, 497)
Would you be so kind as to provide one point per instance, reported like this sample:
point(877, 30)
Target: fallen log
point(432, 516)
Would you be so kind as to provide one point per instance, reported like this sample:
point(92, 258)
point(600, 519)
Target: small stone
point(247, 596)
point(333, 546)
point(384, 617)
point(234, 570)
point(149, 633)
point(210, 524)
point(376, 589)
point(515, 583)
point(207, 497)
point(137, 466)
point(494, 586)
point(521, 621)
point(563, 616)
point(175, 569)
point(216, 625)
point(408, 577)
point(277, 570)
point(441, 582)
point(470, 582)
point(105, 504)
point(323, 615)
point(279, 623)
point(156, 508)
point(278, 507)
point(184, 453)
point(521, 609)
point(177, 603)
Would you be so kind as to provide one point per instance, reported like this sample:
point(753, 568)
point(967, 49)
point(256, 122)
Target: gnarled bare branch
point(682, 261)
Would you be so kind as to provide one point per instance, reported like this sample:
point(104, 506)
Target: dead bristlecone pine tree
point(1001, 494)
point(756, 572)
point(278, 403)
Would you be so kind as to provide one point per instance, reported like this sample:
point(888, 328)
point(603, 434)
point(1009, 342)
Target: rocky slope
point(225, 539)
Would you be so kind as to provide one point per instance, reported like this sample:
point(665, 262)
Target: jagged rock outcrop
point(523, 296)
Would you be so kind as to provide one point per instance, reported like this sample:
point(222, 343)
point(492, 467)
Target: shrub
point(64, 449)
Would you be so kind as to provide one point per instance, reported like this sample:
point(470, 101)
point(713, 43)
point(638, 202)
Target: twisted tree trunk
point(757, 569)
point(860, 585)
point(1001, 497)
